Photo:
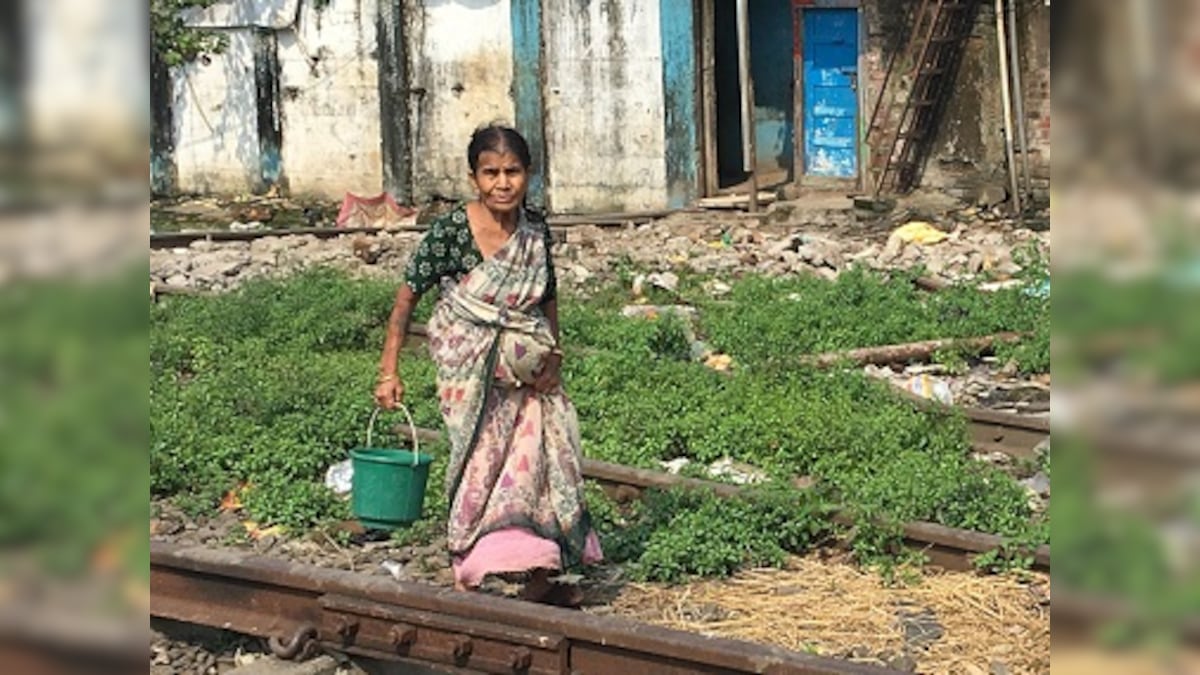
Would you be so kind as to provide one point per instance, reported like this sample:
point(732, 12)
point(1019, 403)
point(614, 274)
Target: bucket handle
point(416, 453)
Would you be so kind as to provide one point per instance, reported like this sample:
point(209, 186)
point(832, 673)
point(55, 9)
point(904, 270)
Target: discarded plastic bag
point(931, 388)
point(338, 477)
point(919, 232)
point(380, 211)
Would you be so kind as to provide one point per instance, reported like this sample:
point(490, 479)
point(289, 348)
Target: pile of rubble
point(710, 243)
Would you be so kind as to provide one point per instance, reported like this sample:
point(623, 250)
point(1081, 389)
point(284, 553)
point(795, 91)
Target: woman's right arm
point(389, 391)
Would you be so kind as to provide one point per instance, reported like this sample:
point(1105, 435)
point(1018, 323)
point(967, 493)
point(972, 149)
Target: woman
point(514, 480)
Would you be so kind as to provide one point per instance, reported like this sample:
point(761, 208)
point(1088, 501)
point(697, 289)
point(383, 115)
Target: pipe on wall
point(747, 90)
point(1005, 96)
point(1018, 97)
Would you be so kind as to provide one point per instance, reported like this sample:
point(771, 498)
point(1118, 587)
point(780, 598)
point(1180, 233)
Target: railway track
point(946, 547)
point(300, 609)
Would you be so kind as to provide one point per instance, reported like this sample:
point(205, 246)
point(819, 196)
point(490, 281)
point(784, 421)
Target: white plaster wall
point(216, 123)
point(330, 97)
point(460, 54)
point(604, 105)
point(245, 13)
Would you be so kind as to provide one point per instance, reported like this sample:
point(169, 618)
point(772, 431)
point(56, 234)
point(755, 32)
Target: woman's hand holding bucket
point(389, 392)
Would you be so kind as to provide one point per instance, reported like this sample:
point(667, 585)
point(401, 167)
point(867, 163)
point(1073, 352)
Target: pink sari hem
point(516, 549)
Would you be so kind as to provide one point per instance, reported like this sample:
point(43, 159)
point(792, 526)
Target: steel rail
point(182, 239)
point(302, 607)
point(947, 547)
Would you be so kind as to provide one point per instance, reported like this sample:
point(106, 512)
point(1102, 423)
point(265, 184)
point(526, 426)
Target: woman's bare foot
point(564, 595)
point(460, 586)
point(538, 586)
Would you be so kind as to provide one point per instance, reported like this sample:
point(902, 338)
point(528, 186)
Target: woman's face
point(501, 180)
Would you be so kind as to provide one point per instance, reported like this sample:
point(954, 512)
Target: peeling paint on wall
point(604, 105)
point(216, 124)
point(330, 95)
point(462, 76)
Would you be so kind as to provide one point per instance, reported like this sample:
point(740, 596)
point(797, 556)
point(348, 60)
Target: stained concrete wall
point(329, 102)
point(1033, 19)
point(604, 105)
point(969, 146)
point(602, 93)
point(216, 129)
point(460, 65)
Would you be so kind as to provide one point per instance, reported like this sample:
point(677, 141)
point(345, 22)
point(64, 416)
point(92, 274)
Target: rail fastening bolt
point(402, 635)
point(463, 647)
point(520, 659)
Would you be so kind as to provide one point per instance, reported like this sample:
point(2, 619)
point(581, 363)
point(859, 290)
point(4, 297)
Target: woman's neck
point(506, 221)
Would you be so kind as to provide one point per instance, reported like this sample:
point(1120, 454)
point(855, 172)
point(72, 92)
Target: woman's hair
point(498, 138)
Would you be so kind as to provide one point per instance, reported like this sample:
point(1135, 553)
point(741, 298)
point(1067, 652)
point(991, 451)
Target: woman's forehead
point(501, 157)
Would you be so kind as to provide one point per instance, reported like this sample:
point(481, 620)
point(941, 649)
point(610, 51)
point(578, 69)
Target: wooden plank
point(737, 201)
point(911, 351)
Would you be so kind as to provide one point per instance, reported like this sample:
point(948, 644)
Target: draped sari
point(514, 477)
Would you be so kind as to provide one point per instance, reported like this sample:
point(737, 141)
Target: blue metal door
point(830, 92)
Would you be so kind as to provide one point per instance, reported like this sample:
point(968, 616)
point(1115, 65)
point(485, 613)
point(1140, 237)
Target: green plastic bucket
point(387, 488)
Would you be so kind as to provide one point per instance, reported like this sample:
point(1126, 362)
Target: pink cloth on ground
point(516, 549)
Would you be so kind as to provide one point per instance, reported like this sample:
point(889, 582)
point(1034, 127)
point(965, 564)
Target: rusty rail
point(182, 239)
point(302, 607)
point(948, 547)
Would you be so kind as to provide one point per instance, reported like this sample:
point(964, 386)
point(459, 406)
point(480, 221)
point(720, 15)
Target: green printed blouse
point(449, 250)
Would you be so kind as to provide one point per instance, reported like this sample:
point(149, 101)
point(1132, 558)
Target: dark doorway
point(772, 68)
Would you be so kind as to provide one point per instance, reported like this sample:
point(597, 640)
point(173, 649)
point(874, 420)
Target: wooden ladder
point(901, 131)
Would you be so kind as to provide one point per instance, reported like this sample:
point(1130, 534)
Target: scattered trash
point(638, 288)
point(994, 457)
point(735, 472)
point(393, 568)
point(717, 288)
point(1039, 290)
point(238, 226)
point(719, 362)
point(685, 312)
point(930, 388)
point(1038, 483)
point(993, 286)
point(666, 280)
point(919, 232)
point(379, 211)
point(241, 658)
point(256, 531)
point(676, 465)
point(232, 500)
point(339, 476)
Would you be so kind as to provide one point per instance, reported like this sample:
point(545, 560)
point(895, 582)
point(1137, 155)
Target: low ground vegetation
point(264, 388)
